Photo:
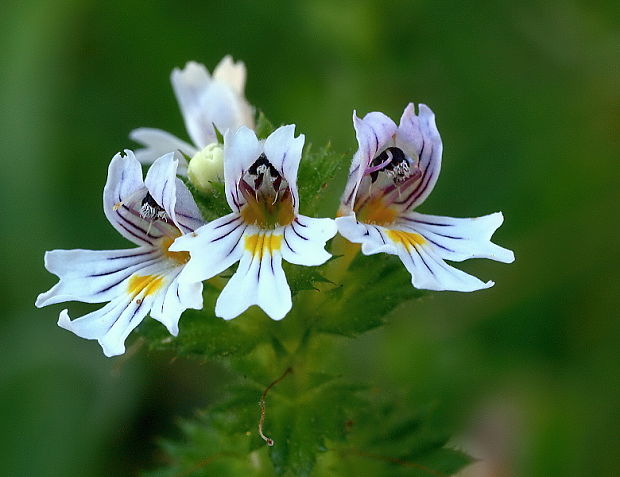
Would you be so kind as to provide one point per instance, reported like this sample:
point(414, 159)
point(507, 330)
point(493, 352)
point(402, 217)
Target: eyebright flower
point(152, 214)
point(264, 227)
point(393, 172)
point(205, 101)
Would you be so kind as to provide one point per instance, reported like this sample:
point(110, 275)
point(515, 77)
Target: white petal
point(161, 182)
point(241, 149)
point(427, 267)
point(187, 214)
point(109, 325)
point(459, 239)
point(229, 111)
point(374, 133)
point(190, 87)
point(172, 194)
point(430, 272)
point(231, 73)
point(171, 303)
point(213, 248)
point(122, 194)
point(418, 136)
point(157, 143)
point(304, 240)
point(283, 150)
point(93, 276)
point(372, 237)
point(206, 102)
point(259, 280)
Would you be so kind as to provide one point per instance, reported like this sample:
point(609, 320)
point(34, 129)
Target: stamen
point(150, 209)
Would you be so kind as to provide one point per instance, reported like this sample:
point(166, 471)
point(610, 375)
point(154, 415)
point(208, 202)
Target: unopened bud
point(206, 167)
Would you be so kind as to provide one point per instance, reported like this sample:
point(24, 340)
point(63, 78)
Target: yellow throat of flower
point(180, 257)
point(375, 211)
point(268, 212)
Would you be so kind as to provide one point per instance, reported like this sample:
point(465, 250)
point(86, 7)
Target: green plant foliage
point(212, 205)
point(264, 127)
point(316, 171)
point(371, 288)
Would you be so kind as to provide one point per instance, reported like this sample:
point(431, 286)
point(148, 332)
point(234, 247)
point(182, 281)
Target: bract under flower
point(152, 214)
point(207, 102)
point(264, 227)
point(394, 171)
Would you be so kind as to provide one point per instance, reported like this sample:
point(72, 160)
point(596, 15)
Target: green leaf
point(212, 205)
point(396, 440)
point(202, 334)
point(264, 127)
point(317, 171)
point(302, 425)
point(372, 288)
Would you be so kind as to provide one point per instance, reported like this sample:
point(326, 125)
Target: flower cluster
point(393, 171)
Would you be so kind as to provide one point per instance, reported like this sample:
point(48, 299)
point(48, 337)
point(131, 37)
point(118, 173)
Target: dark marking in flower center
point(397, 165)
point(151, 210)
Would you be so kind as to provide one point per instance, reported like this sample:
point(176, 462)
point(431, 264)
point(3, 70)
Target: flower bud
point(206, 167)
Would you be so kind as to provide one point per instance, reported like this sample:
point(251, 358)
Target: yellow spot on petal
point(262, 244)
point(375, 211)
point(180, 257)
point(408, 239)
point(148, 284)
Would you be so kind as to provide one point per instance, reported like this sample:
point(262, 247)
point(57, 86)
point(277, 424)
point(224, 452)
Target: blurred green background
point(527, 98)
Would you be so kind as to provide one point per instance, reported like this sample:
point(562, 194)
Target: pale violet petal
point(259, 279)
point(161, 183)
point(93, 276)
point(241, 149)
point(172, 194)
point(458, 239)
point(418, 136)
point(304, 240)
point(374, 133)
point(187, 213)
point(122, 194)
point(213, 248)
point(190, 86)
point(157, 143)
point(283, 151)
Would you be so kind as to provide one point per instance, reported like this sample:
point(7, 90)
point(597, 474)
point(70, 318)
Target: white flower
point(205, 101)
point(264, 228)
point(152, 214)
point(393, 171)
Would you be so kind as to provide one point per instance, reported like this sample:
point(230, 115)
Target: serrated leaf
point(212, 205)
point(372, 287)
point(201, 334)
point(302, 427)
point(317, 170)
